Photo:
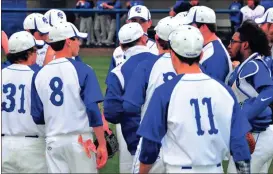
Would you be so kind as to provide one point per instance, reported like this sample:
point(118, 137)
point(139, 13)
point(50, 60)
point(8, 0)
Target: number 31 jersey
point(65, 93)
point(16, 99)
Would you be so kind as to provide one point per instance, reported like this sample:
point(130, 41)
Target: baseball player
point(113, 4)
point(65, 98)
point(253, 85)
point(23, 143)
point(86, 22)
point(39, 27)
point(266, 24)
point(149, 75)
point(215, 59)
point(54, 17)
point(252, 10)
point(182, 6)
point(100, 25)
point(141, 15)
point(133, 43)
point(188, 119)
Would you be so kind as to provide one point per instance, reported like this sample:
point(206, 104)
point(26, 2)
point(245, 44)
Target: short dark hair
point(211, 27)
point(32, 31)
point(189, 61)
point(250, 32)
point(164, 44)
point(130, 44)
point(58, 46)
point(20, 56)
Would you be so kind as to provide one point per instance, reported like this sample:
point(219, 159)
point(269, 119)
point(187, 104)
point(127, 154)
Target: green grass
point(101, 65)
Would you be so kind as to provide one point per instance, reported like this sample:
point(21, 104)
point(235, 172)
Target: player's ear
point(150, 22)
point(68, 42)
point(245, 45)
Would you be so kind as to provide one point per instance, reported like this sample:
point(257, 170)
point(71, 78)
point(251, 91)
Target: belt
point(27, 136)
point(189, 167)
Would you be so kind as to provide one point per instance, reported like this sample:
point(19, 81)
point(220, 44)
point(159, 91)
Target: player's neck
point(209, 37)
point(246, 55)
point(63, 53)
point(161, 51)
point(184, 68)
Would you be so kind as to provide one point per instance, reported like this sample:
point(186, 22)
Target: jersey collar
point(135, 50)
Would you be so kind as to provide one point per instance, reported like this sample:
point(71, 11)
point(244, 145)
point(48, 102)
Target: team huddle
point(181, 104)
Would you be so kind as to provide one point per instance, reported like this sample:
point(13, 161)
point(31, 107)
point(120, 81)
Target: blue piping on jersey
point(57, 63)
point(238, 86)
point(18, 69)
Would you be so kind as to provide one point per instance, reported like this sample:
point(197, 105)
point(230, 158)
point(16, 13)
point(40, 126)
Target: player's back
point(199, 121)
point(16, 99)
point(161, 71)
point(59, 86)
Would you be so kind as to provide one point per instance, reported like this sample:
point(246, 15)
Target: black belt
point(27, 136)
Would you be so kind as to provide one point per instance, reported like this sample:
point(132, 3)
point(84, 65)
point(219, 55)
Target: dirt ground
point(96, 52)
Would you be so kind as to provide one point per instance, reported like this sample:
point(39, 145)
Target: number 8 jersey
point(16, 99)
point(65, 96)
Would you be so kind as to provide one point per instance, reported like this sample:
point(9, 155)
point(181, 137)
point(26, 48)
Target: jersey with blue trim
point(252, 14)
point(65, 96)
point(146, 78)
point(235, 16)
point(216, 61)
point(16, 101)
point(41, 54)
point(118, 54)
point(5, 64)
point(253, 86)
point(116, 85)
point(197, 120)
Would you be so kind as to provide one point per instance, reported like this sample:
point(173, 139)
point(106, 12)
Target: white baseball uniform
point(146, 78)
point(23, 141)
point(249, 13)
point(65, 97)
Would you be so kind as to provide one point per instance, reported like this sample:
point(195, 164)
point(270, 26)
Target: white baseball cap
point(37, 22)
point(64, 30)
point(21, 41)
point(130, 32)
point(165, 26)
point(266, 18)
point(55, 16)
point(187, 41)
point(181, 16)
point(140, 11)
point(201, 14)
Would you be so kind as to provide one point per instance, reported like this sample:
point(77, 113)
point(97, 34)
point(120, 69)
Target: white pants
point(263, 152)
point(158, 166)
point(87, 26)
point(125, 158)
point(195, 169)
point(23, 155)
point(65, 155)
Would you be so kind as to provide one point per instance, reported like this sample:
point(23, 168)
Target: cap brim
point(129, 18)
point(45, 30)
point(82, 35)
point(39, 43)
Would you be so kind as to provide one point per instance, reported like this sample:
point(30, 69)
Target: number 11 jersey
point(16, 99)
point(65, 97)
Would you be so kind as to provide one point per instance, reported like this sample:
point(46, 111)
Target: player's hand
point(102, 156)
point(104, 5)
point(106, 125)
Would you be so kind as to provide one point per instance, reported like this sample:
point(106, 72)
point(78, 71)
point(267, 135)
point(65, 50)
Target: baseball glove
point(251, 142)
point(111, 144)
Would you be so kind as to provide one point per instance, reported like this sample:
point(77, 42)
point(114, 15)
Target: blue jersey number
point(10, 90)
point(207, 102)
point(56, 85)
